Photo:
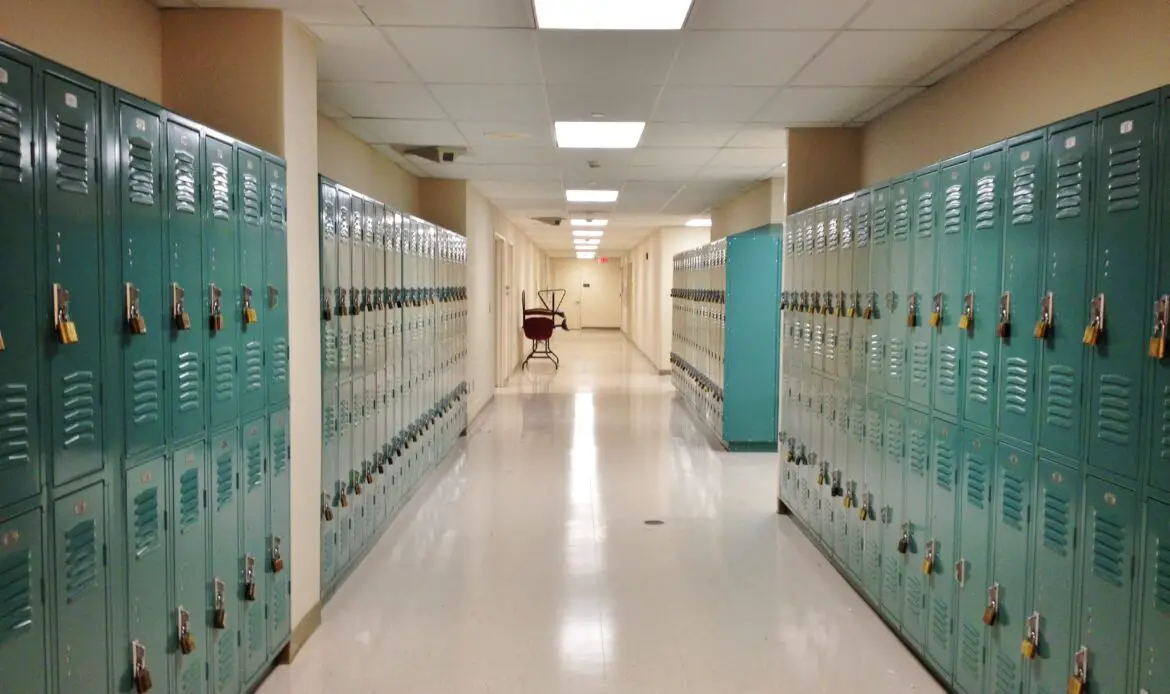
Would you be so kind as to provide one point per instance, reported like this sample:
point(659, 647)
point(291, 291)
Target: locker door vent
point(330, 421)
point(917, 452)
point(225, 373)
point(192, 679)
point(146, 522)
point(328, 220)
point(926, 214)
point(1069, 186)
point(873, 430)
point(1055, 524)
point(944, 472)
point(188, 500)
point(330, 348)
point(279, 452)
point(14, 419)
point(11, 142)
point(846, 229)
point(896, 358)
point(1061, 396)
point(940, 622)
point(953, 209)
point(252, 214)
point(1006, 676)
point(834, 235)
point(141, 171)
point(256, 634)
point(894, 439)
point(276, 206)
point(280, 360)
point(971, 650)
point(255, 464)
point(1109, 560)
point(1162, 579)
point(190, 381)
point(225, 657)
point(862, 227)
point(81, 557)
point(1016, 381)
point(1164, 439)
point(16, 608)
point(976, 480)
point(857, 419)
point(77, 417)
point(1116, 409)
point(875, 354)
point(147, 384)
point(184, 175)
point(985, 202)
point(902, 218)
point(1023, 195)
point(1125, 176)
point(253, 366)
point(221, 199)
point(790, 241)
point(979, 377)
point(809, 245)
point(355, 224)
point(72, 155)
point(920, 365)
point(881, 223)
point(343, 224)
point(225, 479)
point(1014, 503)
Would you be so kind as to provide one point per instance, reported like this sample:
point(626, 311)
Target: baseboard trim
point(300, 636)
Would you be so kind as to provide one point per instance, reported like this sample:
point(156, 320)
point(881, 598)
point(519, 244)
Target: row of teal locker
point(151, 254)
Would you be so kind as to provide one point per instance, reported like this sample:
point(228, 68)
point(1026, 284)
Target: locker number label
point(1025, 155)
point(3, 76)
point(10, 538)
point(70, 100)
point(1070, 142)
point(140, 124)
point(1110, 499)
point(1126, 127)
point(81, 507)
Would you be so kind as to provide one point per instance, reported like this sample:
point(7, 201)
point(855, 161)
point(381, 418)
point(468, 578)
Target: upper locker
point(861, 296)
point(1157, 471)
point(220, 262)
point(843, 288)
point(946, 306)
point(876, 306)
point(830, 287)
point(920, 300)
point(252, 316)
point(983, 227)
point(276, 276)
point(899, 309)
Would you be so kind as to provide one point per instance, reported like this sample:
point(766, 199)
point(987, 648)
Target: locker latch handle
point(1080, 674)
point(216, 299)
point(1157, 349)
point(1030, 646)
point(186, 638)
point(1004, 328)
point(249, 311)
point(961, 572)
point(140, 673)
point(132, 298)
point(277, 559)
point(967, 320)
point(936, 312)
point(179, 315)
point(1096, 325)
point(249, 578)
point(912, 310)
point(220, 610)
point(273, 296)
point(63, 323)
point(991, 612)
point(1044, 326)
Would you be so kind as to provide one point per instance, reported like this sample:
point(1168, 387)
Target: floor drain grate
point(654, 522)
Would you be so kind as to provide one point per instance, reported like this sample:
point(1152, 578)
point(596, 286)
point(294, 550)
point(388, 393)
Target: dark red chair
point(539, 324)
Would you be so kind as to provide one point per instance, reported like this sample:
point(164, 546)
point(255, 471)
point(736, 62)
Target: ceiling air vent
point(439, 155)
point(551, 221)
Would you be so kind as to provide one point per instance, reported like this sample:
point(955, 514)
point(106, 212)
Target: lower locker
point(893, 515)
point(856, 484)
point(942, 546)
point(1153, 667)
point(358, 500)
point(978, 462)
point(841, 467)
point(22, 625)
point(224, 592)
point(329, 500)
point(254, 570)
point(917, 529)
point(871, 496)
point(1013, 498)
point(147, 575)
point(279, 531)
point(1058, 513)
point(81, 606)
point(828, 463)
point(376, 502)
point(191, 614)
point(346, 501)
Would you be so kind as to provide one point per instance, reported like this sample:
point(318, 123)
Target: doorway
point(506, 343)
point(593, 293)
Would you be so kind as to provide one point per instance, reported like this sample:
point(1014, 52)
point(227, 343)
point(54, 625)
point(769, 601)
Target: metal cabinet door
point(978, 452)
point(832, 288)
point(23, 645)
point(844, 467)
point(254, 528)
point(225, 589)
point(871, 496)
point(943, 542)
point(194, 603)
point(360, 499)
point(147, 571)
point(342, 484)
point(893, 514)
point(1153, 666)
point(1157, 462)
point(79, 545)
point(897, 299)
point(252, 378)
point(983, 228)
point(855, 485)
point(278, 563)
point(1015, 479)
point(818, 262)
point(952, 260)
point(20, 362)
point(920, 297)
point(330, 500)
point(876, 304)
point(843, 289)
point(276, 277)
point(916, 495)
point(221, 271)
point(345, 302)
point(861, 288)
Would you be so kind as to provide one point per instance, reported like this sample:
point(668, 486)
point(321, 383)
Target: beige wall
point(355, 164)
point(1093, 53)
point(748, 211)
point(652, 263)
point(116, 41)
point(823, 163)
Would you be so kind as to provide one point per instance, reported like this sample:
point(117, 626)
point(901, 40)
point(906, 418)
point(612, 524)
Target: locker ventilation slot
point(893, 442)
point(862, 224)
point(920, 365)
point(875, 354)
point(327, 218)
point(1007, 678)
point(1016, 386)
point(11, 143)
point(1062, 396)
point(1109, 560)
point(896, 359)
point(971, 649)
point(789, 242)
point(873, 430)
point(81, 557)
point(330, 422)
point(1057, 532)
point(1125, 176)
point(192, 679)
point(1162, 578)
point(902, 218)
point(14, 421)
point(16, 606)
point(976, 481)
point(225, 661)
point(846, 230)
point(280, 360)
point(1024, 194)
point(141, 171)
point(255, 464)
point(917, 452)
point(857, 419)
point(1115, 409)
point(1069, 187)
point(881, 223)
point(276, 206)
point(225, 479)
point(190, 381)
point(944, 473)
point(279, 452)
point(343, 224)
point(251, 196)
point(221, 200)
point(979, 377)
point(1164, 451)
point(1014, 503)
point(953, 210)
point(940, 623)
point(256, 634)
point(926, 214)
point(72, 156)
point(78, 411)
point(253, 366)
point(985, 202)
point(188, 500)
point(330, 350)
point(184, 168)
point(146, 382)
point(225, 376)
point(834, 237)
point(146, 522)
point(915, 597)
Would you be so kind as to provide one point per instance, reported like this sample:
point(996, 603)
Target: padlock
point(1040, 332)
point(991, 611)
point(1092, 334)
point(219, 613)
point(863, 511)
point(928, 562)
point(277, 560)
point(249, 315)
point(990, 614)
point(140, 673)
point(911, 320)
point(1076, 685)
point(904, 544)
point(343, 499)
point(186, 638)
point(217, 322)
point(220, 618)
point(1028, 649)
point(182, 321)
point(964, 322)
point(249, 578)
point(1003, 330)
point(1157, 348)
point(936, 313)
point(1, 340)
point(250, 591)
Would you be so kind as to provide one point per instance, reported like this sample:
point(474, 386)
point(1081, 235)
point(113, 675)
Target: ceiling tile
point(1042, 11)
point(821, 104)
point(770, 14)
point(980, 49)
point(329, 110)
point(548, 190)
point(905, 94)
point(749, 156)
point(469, 56)
point(414, 132)
point(760, 135)
point(492, 102)
point(744, 58)
point(607, 57)
point(503, 173)
point(646, 197)
point(884, 58)
point(688, 134)
point(357, 54)
point(307, 11)
point(710, 104)
point(465, 13)
point(499, 134)
point(940, 14)
point(733, 173)
point(618, 102)
point(354, 127)
point(367, 100)
point(510, 154)
point(670, 156)
point(663, 173)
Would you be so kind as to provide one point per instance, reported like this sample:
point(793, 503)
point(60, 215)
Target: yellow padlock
point(1028, 649)
point(250, 315)
point(1040, 332)
point(935, 319)
point(964, 322)
point(1092, 334)
point(1075, 685)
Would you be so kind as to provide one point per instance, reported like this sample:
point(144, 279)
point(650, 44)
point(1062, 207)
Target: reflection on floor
point(527, 568)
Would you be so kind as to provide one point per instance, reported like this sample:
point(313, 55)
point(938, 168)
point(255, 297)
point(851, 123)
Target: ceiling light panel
point(595, 135)
point(588, 233)
point(586, 256)
point(591, 195)
point(699, 222)
point(612, 14)
point(589, 222)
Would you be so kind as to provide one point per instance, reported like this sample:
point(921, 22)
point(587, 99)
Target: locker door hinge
point(166, 520)
point(105, 558)
point(204, 498)
point(207, 671)
point(42, 590)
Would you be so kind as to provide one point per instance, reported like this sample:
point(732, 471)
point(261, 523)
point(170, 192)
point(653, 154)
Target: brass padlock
point(936, 313)
point(1078, 683)
point(964, 322)
point(863, 511)
point(904, 541)
point(1040, 332)
point(343, 499)
point(1096, 321)
point(1092, 334)
point(1, 340)
point(140, 672)
point(186, 638)
point(928, 562)
point(1157, 347)
point(277, 560)
point(250, 578)
point(134, 320)
point(991, 611)
point(66, 330)
point(219, 613)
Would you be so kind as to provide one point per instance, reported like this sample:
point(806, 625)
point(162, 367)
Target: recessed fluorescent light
point(588, 233)
point(589, 222)
point(611, 14)
point(699, 223)
point(590, 135)
point(591, 195)
point(586, 256)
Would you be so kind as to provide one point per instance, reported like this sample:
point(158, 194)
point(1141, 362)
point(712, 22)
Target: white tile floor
point(525, 566)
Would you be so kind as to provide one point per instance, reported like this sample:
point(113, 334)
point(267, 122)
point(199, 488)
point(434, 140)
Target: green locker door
point(920, 297)
point(1124, 222)
point(942, 586)
point(897, 299)
point(221, 265)
point(983, 227)
point(1158, 461)
point(330, 373)
point(254, 536)
point(859, 324)
point(817, 286)
point(345, 302)
point(1111, 528)
point(346, 501)
point(81, 605)
point(831, 286)
point(20, 440)
point(72, 217)
point(843, 291)
point(1069, 186)
point(280, 531)
point(146, 570)
point(1058, 509)
point(1019, 301)
point(360, 499)
point(855, 485)
point(893, 515)
point(192, 610)
point(188, 293)
point(22, 608)
point(330, 510)
point(916, 492)
point(871, 496)
point(974, 560)
point(1009, 572)
point(948, 288)
point(876, 303)
point(276, 277)
point(252, 379)
point(1153, 666)
point(225, 589)
point(843, 467)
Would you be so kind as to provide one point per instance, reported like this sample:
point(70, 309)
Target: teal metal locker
point(855, 482)
point(330, 374)
point(346, 501)
point(1123, 213)
point(916, 492)
point(842, 466)
point(1157, 460)
point(1018, 305)
point(276, 277)
point(72, 233)
point(898, 298)
point(947, 301)
point(974, 566)
point(279, 560)
point(871, 499)
point(920, 297)
point(1014, 484)
point(23, 633)
point(220, 259)
point(21, 461)
point(147, 570)
point(1069, 184)
point(861, 288)
point(252, 317)
point(225, 591)
point(358, 454)
point(372, 280)
point(383, 219)
point(330, 502)
point(359, 500)
point(187, 295)
point(254, 567)
point(826, 459)
point(193, 604)
point(832, 288)
point(1153, 669)
point(843, 290)
point(876, 306)
point(817, 246)
point(893, 514)
point(81, 603)
point(942, 545)
point(984, 231)
point(1112, 525)
point(1058, 515)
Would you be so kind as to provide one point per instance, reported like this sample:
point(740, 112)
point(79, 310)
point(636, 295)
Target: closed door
point(601, 296)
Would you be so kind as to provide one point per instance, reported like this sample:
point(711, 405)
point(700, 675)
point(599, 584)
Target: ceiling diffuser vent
point(439, 155)
point(551, 221)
